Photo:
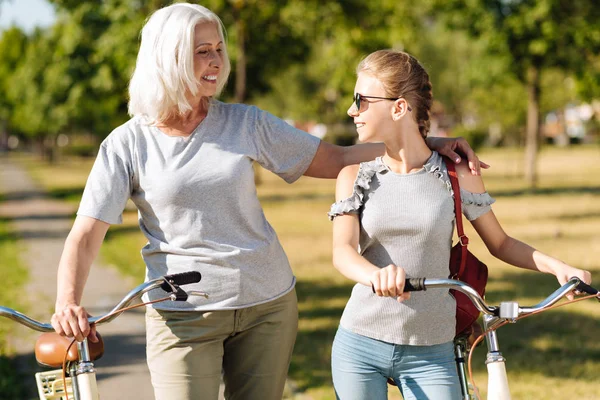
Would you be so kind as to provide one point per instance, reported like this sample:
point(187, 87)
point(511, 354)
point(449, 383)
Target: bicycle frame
point(493, 316)
point(81, 384)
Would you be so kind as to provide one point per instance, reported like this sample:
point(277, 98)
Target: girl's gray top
point(197, 201)
point(406, 220)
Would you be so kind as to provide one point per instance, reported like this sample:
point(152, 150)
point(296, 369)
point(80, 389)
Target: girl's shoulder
point(352, 184)
point(362, 174)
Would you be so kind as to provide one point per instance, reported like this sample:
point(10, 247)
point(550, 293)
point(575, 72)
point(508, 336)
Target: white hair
point(164, 70)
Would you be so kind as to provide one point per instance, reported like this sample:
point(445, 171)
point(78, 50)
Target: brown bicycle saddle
point(50, 349)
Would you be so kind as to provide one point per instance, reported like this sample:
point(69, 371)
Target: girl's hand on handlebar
point(72, 321)
point(567, 272)
point(389, 282)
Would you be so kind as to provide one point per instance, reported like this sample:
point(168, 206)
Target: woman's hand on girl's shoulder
point(455, 149)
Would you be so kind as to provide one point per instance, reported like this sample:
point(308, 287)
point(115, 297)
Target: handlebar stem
point(84, 350)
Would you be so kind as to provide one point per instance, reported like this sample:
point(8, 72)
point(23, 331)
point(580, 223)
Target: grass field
point(14, 276)
point(548, 355)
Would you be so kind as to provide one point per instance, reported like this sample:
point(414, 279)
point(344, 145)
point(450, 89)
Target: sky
point(26, 14)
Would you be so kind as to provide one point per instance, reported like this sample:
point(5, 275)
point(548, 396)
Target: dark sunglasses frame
point(359, 97)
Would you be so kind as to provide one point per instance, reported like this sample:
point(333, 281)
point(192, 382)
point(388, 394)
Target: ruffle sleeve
point(435, 166)
point(353, 204)
point(474, 205)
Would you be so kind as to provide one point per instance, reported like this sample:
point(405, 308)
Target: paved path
point(43, 225)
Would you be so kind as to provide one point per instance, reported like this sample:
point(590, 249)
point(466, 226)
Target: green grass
point(548, 355)
point(14, 276)
point(64, 180)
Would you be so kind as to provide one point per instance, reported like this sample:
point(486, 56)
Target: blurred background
point(503, 72)
point(520, 79)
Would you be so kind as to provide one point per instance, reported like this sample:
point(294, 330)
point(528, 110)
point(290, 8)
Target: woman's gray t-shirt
point(197, 201)
point(406, 220)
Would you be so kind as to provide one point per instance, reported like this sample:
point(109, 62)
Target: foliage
point(299, 58)
point(588, 79)
point(256, 28)
point(540, 34)
point(475, 136)
point(73, 76)
point(537, 36)
point(12, 45)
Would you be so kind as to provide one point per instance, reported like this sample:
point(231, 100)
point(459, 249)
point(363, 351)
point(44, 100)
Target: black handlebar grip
point(584, 287)
point(414, 285)
point(183, 278)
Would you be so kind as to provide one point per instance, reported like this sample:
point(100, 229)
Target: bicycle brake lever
point(179, 295)
point(197, 293)
point(176, 293)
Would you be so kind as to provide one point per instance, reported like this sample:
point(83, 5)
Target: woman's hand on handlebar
point(389, 282)
point(72, 321)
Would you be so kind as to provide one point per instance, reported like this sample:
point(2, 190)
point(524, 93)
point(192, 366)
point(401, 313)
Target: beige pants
point(188, 350)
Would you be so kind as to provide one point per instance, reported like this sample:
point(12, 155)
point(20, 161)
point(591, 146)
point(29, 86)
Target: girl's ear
point(400, 109)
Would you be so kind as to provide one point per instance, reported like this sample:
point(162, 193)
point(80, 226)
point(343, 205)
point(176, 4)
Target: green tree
point(340, 33)
point(538, 35)
point(264, 40)
point(34, 103)
point(12, 46)
point(58, 83)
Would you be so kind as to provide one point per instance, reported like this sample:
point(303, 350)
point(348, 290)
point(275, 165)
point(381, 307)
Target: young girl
point(398, 212)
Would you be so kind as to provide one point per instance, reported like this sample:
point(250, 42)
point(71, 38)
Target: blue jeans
point(361, 365)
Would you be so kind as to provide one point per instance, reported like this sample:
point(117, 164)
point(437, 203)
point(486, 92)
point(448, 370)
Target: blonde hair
point(164, 70)
point(402, 76)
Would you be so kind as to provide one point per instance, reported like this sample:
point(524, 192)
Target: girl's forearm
point(352, 265)
point(521, 255)
point(362, 152)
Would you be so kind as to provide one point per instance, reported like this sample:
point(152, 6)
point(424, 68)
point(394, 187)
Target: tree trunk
point(533, 126)
point(240, 69)
point(3, 136)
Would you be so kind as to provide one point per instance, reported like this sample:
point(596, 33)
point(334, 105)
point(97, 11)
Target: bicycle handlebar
point(168, 283)
point(419, 284)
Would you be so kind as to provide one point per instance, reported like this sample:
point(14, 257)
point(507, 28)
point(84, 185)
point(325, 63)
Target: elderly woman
point(185, 160)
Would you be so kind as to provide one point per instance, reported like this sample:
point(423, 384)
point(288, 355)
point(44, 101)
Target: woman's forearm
point(73, 271)
point(362, 152)
point(81, 248)
point(331, 159)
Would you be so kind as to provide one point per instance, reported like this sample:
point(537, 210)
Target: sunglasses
point(358, 98)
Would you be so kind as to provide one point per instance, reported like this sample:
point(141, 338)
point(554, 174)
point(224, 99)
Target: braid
point(424, 112)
